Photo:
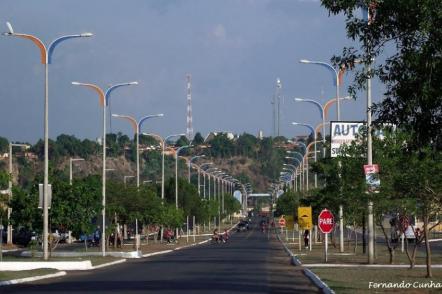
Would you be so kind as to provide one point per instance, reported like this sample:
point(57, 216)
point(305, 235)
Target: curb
point(109, 264)
point(318, 282)
point(157, 253)
point(312, 276)
point(331, 265)
point(31, 279)
point(294, 259)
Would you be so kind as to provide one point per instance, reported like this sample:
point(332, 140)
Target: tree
point(412, 73)
point(198, 139)
point(4, 145)
point(287, 203)
point(182, 141)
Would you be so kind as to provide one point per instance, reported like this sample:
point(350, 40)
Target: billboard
point(343, 133)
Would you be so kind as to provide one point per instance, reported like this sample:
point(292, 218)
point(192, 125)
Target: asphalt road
point(249, 263)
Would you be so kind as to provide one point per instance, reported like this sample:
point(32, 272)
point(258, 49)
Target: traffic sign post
point(326, 222)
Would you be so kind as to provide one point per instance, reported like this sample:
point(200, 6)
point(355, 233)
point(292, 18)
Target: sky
point(234, 49)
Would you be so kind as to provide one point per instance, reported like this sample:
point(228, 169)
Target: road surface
point(248, 263)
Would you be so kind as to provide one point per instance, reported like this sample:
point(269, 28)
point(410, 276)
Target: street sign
point(372, 177)
point(305, 218)
point(40, 194)
point(326, 221)
point(281, 221)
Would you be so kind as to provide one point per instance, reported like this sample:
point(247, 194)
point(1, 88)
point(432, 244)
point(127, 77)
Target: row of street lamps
point(303, 163)
point(104, 96)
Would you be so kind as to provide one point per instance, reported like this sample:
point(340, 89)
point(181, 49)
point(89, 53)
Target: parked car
point(23, 237)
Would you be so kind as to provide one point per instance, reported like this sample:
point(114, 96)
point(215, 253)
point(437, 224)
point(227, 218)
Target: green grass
point(7, 275)
point(356, 280)
point(382, 255)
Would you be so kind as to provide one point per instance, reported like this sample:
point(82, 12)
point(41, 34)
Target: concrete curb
point(331, 265)
point(34, 265)
point(318, 282)
point(109, 264)
point(294, 259)
point(157, 253)
point(31, 279)
point(122, 254)
point(312, 276)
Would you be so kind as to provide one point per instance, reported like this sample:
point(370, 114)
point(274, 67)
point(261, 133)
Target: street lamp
point(204, 178)
point(336, 78)
point(9, 233)
point(190, 163)
point(176, 172)
point(301, 166)
point(163, 146)
point(137, 126)
point(323, 110)
point(314, 138)
point(71, 160)
point(295, 170)
point(46, 59)
point(103, 97)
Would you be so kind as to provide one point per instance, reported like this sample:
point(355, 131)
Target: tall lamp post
point(137, 127)
point(300, 164)
point(71, 161)
point(163, 147)
point(323, 110)
point(190, 163)
point(336, 79)
point(9, 233)
point(314, 138)
point(46, 59)
point(201, 167)
point(103, 97)
point(176, 172)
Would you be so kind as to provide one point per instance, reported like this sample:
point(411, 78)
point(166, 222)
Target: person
point(168, 235)
point(97, 236)
point(215, 236)
point(225, 236)
point(306, 238)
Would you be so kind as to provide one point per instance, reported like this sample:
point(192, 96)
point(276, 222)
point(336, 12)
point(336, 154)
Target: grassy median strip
point(358, 257)
point(357, 280)
point(12, 275)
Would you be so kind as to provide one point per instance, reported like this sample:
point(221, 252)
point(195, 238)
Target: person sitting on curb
point(168, 235)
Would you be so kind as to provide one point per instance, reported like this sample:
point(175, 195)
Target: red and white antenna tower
point(189, 132)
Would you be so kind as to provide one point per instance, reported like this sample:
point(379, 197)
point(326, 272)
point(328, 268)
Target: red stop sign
point(326, 221)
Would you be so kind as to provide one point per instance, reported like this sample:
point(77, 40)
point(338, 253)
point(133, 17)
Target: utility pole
point(189, 132)
point(278, 106)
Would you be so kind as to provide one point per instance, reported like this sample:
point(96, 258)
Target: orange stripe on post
point(39, 44)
